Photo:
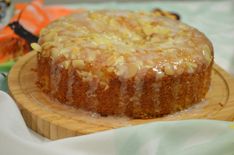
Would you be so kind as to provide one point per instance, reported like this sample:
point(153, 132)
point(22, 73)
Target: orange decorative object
point(33, 17)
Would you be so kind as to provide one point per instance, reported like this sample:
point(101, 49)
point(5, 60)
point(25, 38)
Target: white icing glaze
point(91, 94)
point(70, 82)
point(123, 95)
point(138, 85)
point(176, 89)
point(156, 88)
point(55, 78)
point(159, 73)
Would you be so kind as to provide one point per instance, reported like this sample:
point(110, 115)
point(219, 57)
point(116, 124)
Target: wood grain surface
point(55, 120)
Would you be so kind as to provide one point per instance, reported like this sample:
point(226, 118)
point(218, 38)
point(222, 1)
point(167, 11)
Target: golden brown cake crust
point(175, 93)
point(166, 73)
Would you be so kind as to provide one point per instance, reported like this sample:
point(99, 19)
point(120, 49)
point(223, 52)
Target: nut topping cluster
point(100, 43)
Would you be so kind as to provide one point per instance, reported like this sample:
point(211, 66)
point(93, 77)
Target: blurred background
point(94, 1)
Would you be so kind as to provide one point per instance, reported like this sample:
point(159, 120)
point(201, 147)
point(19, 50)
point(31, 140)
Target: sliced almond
point(127, 70)
point(47, 45)
point(66, 64)
point(55, 52)
point(36, 47)
point(169, 70)
point(119, 60)
point(179, 70)
point(78, 64)
point(86, 76)
point(162, 30)
point(159, 73)
point(132, 70)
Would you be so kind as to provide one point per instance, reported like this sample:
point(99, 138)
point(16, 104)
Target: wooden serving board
point(54, 120)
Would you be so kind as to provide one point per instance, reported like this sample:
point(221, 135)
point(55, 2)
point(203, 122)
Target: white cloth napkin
point(163, 138)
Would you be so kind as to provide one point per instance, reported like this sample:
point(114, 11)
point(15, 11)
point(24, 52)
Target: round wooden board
point(54, 120)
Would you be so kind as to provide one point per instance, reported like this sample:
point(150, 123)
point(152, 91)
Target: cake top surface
point(125, 43)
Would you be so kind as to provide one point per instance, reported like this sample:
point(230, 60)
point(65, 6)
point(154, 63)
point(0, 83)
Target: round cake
point(124, 63)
